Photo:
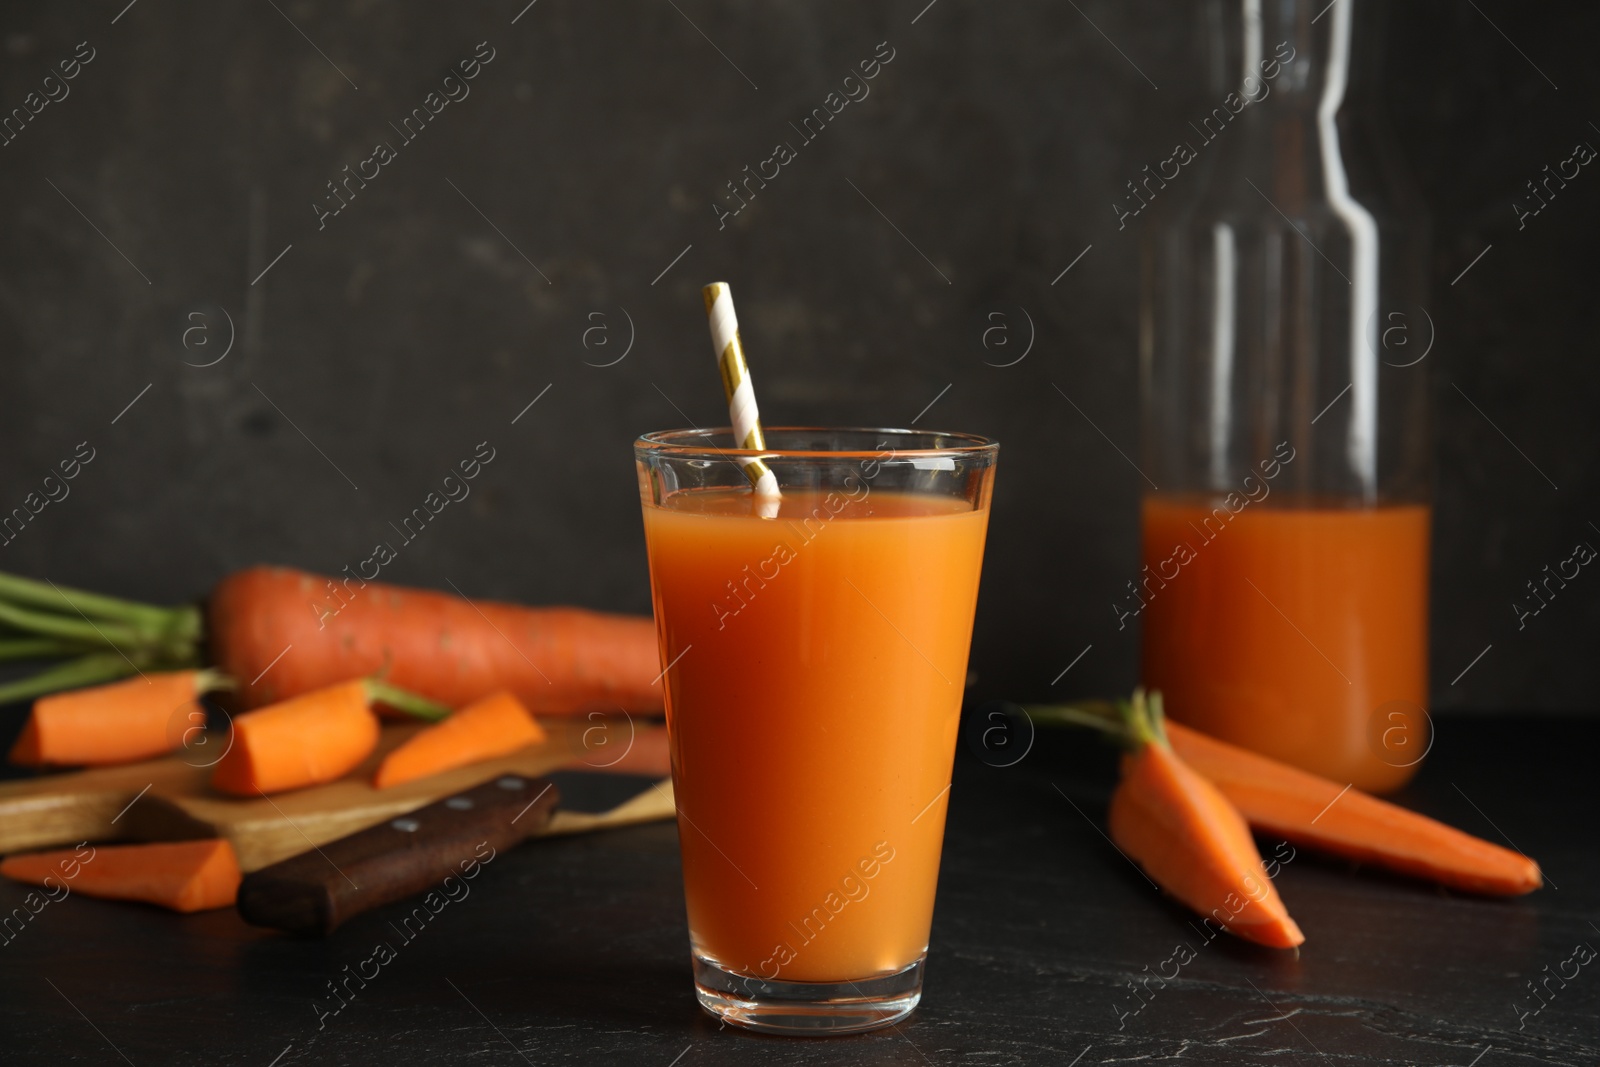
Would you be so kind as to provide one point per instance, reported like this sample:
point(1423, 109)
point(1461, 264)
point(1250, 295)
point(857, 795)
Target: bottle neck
point(1280, 54)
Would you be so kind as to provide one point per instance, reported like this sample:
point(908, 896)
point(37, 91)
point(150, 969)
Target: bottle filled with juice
point(1284, 588)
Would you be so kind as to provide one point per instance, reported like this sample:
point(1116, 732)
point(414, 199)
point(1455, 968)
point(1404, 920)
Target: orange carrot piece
point(645, 750)
point(497, 725)
point(181, 875)
point(1191, 841)
point(1319, 813)
point(309, 740)
point(135, 719)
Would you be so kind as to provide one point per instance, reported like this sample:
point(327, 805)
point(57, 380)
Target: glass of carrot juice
point(814, 654)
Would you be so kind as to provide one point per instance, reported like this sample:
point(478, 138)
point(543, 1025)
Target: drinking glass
point(814, 655)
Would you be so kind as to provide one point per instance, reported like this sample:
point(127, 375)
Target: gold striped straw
point(742, 413)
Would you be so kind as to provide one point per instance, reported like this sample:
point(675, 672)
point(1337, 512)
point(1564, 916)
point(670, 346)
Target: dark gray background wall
point(572, 190)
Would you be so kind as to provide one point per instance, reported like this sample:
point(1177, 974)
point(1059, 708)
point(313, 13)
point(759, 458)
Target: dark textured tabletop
point(575, 951)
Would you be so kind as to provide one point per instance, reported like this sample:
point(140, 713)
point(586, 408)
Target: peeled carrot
point(181, 875)
point(118, 723)
point(1322, 814)
point(446, 648)
point(311, 739)
point(1319, 813)
point(1192, 841)
point(494, 726)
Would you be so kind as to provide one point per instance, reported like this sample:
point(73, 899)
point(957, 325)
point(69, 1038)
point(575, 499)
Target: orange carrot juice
point(1299, 632)
point(816, 666)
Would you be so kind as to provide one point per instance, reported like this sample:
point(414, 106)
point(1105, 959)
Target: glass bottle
point(1284, 592)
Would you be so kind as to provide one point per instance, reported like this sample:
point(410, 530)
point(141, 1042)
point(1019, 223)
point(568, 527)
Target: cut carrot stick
point(311, 739)
point(1308, 810)
point(1191, 840)
point(181, 875)
point(494, 726)
point(118, 723)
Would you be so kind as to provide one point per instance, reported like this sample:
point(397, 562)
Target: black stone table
point(571, 952)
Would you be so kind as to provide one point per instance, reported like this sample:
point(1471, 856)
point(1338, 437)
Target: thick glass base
point(807, 1009)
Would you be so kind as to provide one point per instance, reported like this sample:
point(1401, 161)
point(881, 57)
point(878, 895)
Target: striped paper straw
point(742, 412)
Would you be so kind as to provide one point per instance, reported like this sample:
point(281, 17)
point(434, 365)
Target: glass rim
point(696, 442)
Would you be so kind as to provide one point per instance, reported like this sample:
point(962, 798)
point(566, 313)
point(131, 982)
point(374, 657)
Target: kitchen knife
point(319, 889)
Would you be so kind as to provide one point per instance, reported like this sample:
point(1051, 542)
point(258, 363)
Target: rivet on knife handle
point(318, 890)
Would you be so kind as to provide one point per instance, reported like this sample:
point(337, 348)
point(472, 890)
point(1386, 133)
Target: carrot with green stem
point(122, 722)
point(497, 725)
point(1190, 840)
point(1320, 814)
point(310, 739)
point(182, 875)
point(285, 632)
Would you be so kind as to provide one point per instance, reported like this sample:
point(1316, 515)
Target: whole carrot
point(309, 739)
point(1322, 814)
point(1191, 841)
point(181, 875)
point(494, 726)
point(284, 632)
point(445, 648)
point(118, 723)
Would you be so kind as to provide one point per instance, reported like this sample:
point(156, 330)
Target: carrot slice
point(494, 726)
point(1322, 814)
point(309, 740)
point(1192, 841)
point(125, 721)
point(181, 875)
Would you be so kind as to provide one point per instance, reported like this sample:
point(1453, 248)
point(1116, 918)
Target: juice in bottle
point(1283, 339)
point(1299, 632)
point(816, 667)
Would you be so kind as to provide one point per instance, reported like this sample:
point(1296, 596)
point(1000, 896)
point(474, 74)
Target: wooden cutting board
point(171, 799)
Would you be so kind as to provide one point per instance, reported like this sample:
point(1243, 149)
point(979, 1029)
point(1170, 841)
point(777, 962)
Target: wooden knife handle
point(317, 890)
